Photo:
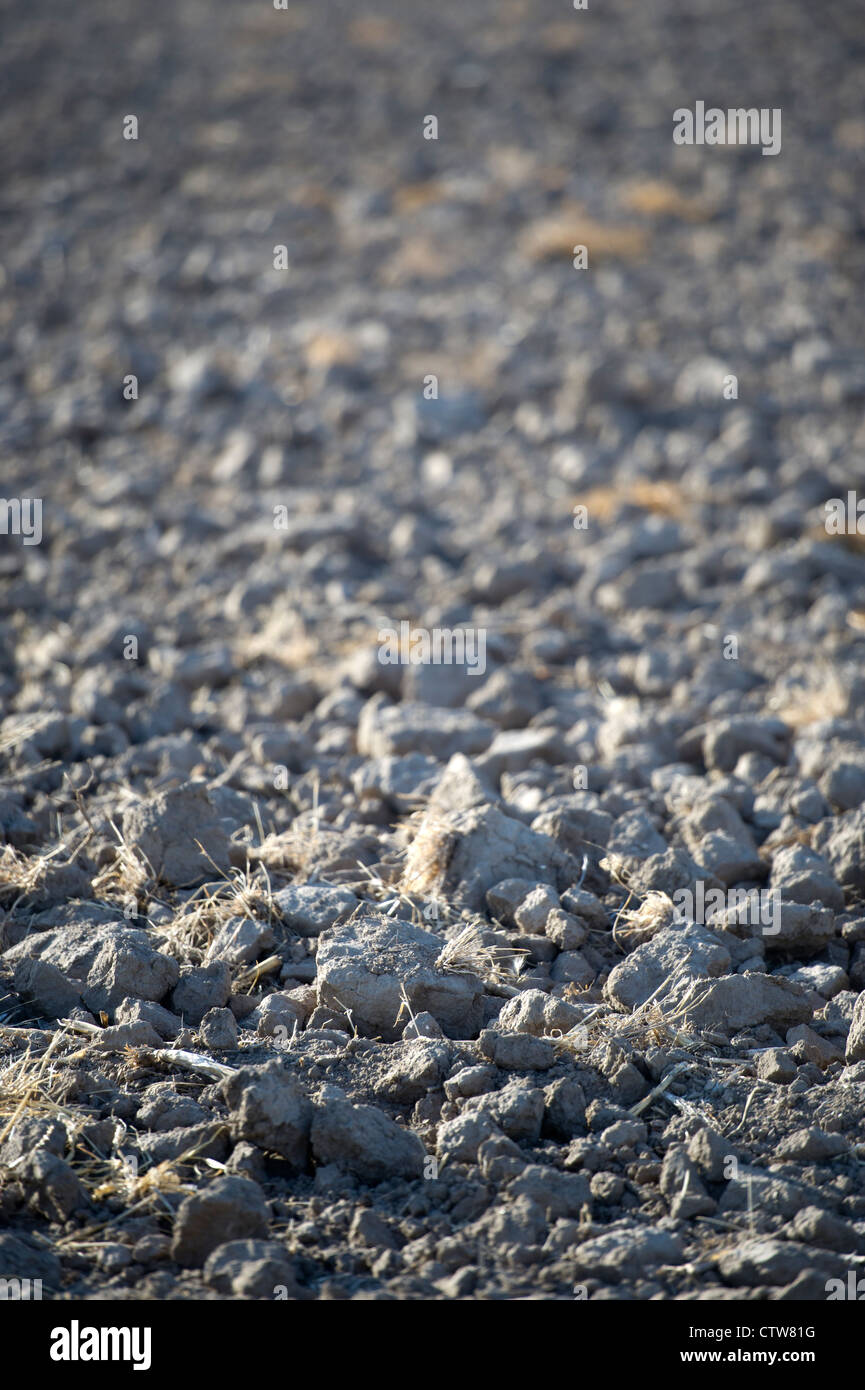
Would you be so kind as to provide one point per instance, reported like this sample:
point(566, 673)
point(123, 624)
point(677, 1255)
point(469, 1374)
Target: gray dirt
point(414, 980)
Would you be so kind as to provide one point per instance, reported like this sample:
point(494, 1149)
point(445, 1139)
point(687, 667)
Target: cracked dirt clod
point(179, 836)
point(363, 1141)
point(230, 1209)
point(369, 964)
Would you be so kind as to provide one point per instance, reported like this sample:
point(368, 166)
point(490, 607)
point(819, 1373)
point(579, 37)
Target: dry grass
point(250, 978)
point(127, 876)
point(646, 1027)
point(28, 1083)
point(329, 349)
point(413, 197)
point(287, 852)
point(662, 498)
point(242, 894)
point(120, 1177)
point(283, 638)
point(21, 874)
point(20, 730)
point(853, 541)
point(656, 198)
point(554, 238)
point(417, 258)
point(428, 855)
point(374, 32)
point(139, 1187)
point(826, 695)
point(468, 954)
point(634, 925)
point(292, 850)
point(383, 885)
point(560, 36)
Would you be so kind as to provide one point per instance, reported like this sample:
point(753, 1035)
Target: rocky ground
point(327, 978)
